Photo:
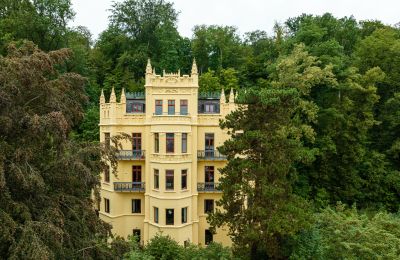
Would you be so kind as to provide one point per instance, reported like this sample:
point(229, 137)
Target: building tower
point(167, 175)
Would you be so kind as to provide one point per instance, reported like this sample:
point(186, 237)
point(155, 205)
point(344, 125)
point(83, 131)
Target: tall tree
point(258, 203)
point(46, 180)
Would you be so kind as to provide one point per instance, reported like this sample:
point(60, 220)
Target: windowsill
point(137, 213)
point(185, 190)
point(158, 190)
point(170, 191)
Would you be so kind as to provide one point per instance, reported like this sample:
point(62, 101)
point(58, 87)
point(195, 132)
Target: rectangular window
point(136, 234)
point(184, 142)
point(169, 179)
point(184, 107)
point(136, 141)
point(156, 179)
point(136, 173)
point(170, 142)
point(156, 143)
point(171, 107)
point(169, 216)
point(209, 142)
point(208, 206)
point(107, 174)
point(106, 205)
point(159, 107)
point(208, 236)
point(208, 174)
point(184, 215)
point(155, 215)
point(107, 139)
point(136, 206)
point(184, 180)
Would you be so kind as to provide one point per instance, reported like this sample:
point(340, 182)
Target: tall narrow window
point(107, 139)
point(208, 236)
point(184, 107)
point(170, 142)
point(171, 107)
point(156, 179)
point(156, 143)
point(184, 215)
point(136, 142)
point(209, 174)
point(155, 215)
point(169, 216)
point(136, 234)
point(137, 177)
point(136, 206)
point(169, 179)
point(106, 205)
point(209, 145)
point(208, 206)
point(184, 142)
point(184, 180)
point(159, 107)
point(107, 174)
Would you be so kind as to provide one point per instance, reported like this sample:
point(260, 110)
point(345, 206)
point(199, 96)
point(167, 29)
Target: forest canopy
point(325, 92)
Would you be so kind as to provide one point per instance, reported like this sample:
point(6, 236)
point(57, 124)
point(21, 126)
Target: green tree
point(46, 179)
point(342, 233)
point(258, 203)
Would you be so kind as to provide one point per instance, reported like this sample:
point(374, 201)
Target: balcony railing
point(208, 187)
point(210, 155)
point(129, 186)
point(131, 154)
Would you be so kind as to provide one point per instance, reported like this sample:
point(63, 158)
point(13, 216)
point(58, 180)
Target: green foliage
point(46, 179)
point(348, 234)
point(164, 248)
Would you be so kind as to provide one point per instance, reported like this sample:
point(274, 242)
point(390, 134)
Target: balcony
point(210, 155)
point(131, 154)
point(129, 186)
point(208, 187)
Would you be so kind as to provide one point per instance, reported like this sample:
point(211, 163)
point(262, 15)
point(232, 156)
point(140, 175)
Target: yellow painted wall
point(114, 120)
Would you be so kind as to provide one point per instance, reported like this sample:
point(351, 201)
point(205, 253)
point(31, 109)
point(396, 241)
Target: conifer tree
point(267, 141)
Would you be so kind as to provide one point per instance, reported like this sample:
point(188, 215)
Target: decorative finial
point(102, 98)
point(194, 67)
point(113, 98)
point(222, 98)
point(231, 96)
point(148, 67)
point(123, 97)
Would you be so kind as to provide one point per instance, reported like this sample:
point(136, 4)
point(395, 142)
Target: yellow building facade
point(167, 175)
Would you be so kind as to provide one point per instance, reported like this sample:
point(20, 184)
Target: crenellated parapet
point(174, 79)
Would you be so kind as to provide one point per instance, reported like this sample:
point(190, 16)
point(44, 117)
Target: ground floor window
point(208, 206)
point(208, 236)
point(136, 233)
point(106, 205)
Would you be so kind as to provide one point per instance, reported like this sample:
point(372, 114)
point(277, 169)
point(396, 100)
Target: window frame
point(156, 176)
point(207, 209)
point(168, 219)
point(184, 176)
point(209, 173)
point(208, 234)
point(171, 107)
point(156, 214)
point(159, 105)
point(184, 215)
point(156, 142)
point(169, 175)
point(107, 207)
point(184, 142)
point(107, 174)
point(136, 206)
point(184, 104)
point(136, 142)
point(170, 137)
point(136, 173)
